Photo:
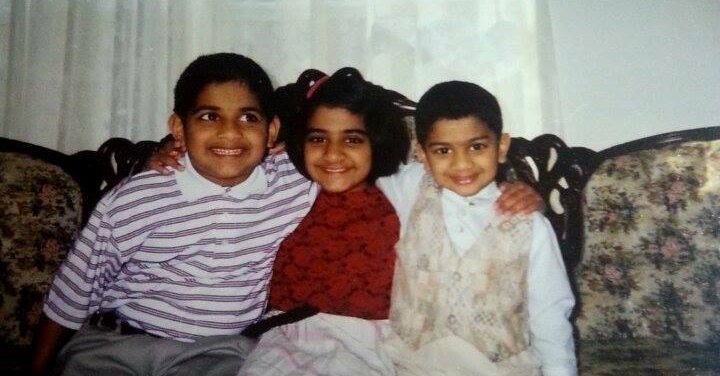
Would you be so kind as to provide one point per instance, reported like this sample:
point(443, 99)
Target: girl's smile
point(337, 150)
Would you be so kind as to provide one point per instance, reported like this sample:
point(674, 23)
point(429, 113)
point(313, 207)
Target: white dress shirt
point(549, 294)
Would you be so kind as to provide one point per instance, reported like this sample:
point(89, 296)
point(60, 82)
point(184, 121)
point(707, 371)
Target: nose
point(333, 151)
point(461, 160)
point(229, 130)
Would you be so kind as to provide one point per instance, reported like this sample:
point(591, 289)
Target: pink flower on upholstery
point(612, 274)
point(675, 192)
point(670, 249)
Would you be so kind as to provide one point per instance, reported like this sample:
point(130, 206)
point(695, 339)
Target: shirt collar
point(194, 186)
point(485, 196)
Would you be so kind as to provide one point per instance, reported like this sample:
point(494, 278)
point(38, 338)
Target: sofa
point(648, 277)
point(45, 197)
point(638, 225)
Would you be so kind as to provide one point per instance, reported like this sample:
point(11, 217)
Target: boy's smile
point(337, 150)
point(226, 133)
point(462, 154)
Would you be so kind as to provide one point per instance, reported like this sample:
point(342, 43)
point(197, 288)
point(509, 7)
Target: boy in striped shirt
point(187, 255)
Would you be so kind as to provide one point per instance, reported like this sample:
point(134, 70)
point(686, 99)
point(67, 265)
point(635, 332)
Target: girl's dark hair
point(346, 88)
point(217, 69)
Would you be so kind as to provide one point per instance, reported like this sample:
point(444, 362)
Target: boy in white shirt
point(474, 292)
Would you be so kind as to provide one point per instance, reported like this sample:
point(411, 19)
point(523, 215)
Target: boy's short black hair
point(454, 100)
point(217, 69)
point(346, 88)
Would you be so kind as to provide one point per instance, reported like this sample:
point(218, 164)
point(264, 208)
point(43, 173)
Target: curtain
point(75, 73)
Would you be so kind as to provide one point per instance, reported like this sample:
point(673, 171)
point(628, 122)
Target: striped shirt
point(179, 256)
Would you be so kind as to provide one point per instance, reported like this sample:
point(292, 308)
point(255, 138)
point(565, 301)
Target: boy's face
point(225, 133)
point(462, 154)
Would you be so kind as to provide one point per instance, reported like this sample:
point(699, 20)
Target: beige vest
point(480, 297)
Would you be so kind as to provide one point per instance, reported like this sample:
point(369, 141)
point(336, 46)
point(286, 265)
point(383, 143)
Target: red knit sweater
point(341, 258)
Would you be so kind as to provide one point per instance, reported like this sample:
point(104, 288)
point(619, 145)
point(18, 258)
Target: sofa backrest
point(40, 210)
point(45, 197)
point(650, 266)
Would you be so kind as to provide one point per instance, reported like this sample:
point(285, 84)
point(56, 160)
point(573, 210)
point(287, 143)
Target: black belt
point(257, 329)
point(109, 320)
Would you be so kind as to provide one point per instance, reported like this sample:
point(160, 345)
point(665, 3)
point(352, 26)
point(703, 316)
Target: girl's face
point(337, 150)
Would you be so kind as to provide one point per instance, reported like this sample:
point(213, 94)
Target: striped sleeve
point(93, 261)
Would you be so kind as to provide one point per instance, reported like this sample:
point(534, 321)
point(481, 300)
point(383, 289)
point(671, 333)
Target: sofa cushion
point(40, 210)
point(647, 357)
point(650, 268)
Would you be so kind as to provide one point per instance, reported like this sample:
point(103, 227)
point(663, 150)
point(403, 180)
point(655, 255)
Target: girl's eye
point(249, 118)
point(477, 147)
point(354, 140)
point(209, 116)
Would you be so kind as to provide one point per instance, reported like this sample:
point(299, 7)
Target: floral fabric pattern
point(39, 214)
point(651, 260)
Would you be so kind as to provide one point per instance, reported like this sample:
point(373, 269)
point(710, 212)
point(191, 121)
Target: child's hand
point(166, 158)
point(519, 198)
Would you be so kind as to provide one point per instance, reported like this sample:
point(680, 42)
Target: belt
point(110, 320)
point(257, 329)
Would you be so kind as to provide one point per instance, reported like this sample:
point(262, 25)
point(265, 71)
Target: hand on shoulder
point(166, 157)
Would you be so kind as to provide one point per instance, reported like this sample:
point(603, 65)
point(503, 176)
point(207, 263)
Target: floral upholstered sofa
point(648, 280)
point(638, 225)
point(45, 196)
point(40, 209)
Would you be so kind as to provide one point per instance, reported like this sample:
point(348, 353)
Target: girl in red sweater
point(340, 259)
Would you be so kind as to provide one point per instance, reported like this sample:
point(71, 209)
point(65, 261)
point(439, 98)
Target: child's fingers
point(164, 161)
point(172, 162)
point(154, 164)
point(179, 146)
point(519, 198)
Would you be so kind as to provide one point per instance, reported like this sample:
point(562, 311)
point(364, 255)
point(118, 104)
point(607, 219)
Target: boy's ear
point(175, 126)
point(422, 157)
point(503, 147)
point(273, 131)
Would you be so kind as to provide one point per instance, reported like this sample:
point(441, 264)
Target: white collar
point(487, 195)
point(194, 186)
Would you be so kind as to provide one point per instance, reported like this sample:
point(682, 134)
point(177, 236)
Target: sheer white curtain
point(74, 73)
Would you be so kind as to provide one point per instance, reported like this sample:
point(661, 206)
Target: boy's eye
point(441, 151)
point(209, 116)
point(478, 147)
point(314, 139)
point(249, 118)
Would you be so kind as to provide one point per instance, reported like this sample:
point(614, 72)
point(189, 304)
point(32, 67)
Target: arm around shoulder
point(401, 188)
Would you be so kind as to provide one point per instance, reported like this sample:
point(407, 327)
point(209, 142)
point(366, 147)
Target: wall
point(633, 68)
